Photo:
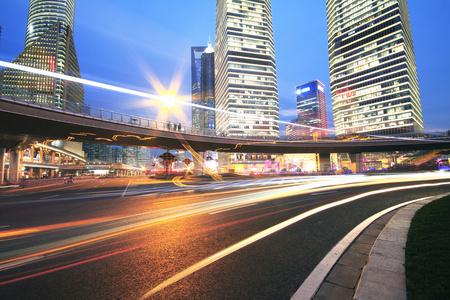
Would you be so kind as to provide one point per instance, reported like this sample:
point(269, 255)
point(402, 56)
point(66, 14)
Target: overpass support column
point(324, 163)
point(2, 165)
point(357, 162)
point(52, 172)
point(14, 158)
point(198, 165)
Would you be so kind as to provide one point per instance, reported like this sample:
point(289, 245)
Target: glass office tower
point(42, 14)
point(312, 110)
point(246, 81)
point(374, 85)
point(196, 78)
point(203, 88)
point(50, 47)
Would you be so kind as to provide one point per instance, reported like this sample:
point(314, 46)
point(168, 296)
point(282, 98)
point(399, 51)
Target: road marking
point(265, 233)
point(49, 197)
point(125, 192)
point(231, 208)
point(5, 226)
point(312, 283)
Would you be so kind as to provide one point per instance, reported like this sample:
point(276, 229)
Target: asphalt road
point(139, 238)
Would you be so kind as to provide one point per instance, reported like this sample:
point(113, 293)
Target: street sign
point(187, 161)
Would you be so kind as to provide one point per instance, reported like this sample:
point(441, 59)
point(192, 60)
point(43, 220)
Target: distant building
point(49, 46)
point(203, 87)
point(196, 73)
point(373, 76)
point(292, 131)
point(311, 112)
point(246, 81)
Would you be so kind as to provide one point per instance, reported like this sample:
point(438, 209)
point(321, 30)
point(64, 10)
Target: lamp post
point(168, 101)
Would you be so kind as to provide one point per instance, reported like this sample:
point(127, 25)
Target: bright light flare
point(169, 101)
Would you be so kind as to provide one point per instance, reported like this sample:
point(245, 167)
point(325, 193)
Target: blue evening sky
point(126, 43)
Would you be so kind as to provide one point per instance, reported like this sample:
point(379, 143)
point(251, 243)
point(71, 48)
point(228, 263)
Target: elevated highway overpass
point(22, 123)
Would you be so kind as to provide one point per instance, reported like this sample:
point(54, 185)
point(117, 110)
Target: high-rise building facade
point(203, 87)
point(373, 76)
point(196, 78)
point(49, 47)
point(42, 14)
point(312, 110)
point(246, 82)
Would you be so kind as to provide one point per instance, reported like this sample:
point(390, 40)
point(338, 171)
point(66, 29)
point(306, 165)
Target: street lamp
point(168, 101)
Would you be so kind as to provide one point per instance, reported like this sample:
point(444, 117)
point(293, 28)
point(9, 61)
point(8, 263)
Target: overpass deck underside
point(22, 122)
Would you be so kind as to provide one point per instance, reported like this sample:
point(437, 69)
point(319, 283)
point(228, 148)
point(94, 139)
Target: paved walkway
point(368, 263)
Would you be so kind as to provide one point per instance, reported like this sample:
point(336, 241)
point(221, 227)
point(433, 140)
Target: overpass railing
point(50, 101)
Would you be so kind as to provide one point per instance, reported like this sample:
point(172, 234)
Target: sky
point(144, 44)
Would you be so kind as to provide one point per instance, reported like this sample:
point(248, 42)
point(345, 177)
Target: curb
point(346, 272)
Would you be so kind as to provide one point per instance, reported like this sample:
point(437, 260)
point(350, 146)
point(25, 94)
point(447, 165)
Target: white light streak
point(140, 94)
point(78, 80)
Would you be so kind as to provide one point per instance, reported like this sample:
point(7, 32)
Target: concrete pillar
point(357, 163)
point(53, 158)
point(14, 172)
point(198, 163)
point(324, 162)
point(2, 165)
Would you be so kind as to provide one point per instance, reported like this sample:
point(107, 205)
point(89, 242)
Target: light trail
point(12, 233)
point(265, 233)
point(77, 80)
point(196, 209)
point(140, 94)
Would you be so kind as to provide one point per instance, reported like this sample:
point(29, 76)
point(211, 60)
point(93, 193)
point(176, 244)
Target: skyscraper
point(312, 110)
point(49, 46)
point(203, 87)
point(196, 78)
point(374, 85)
point(246, 81)
point(42, 14)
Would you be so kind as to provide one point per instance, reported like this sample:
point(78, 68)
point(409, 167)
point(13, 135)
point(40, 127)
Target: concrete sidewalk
point(371, 266)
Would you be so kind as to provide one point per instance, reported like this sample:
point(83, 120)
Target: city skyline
point(124, 46)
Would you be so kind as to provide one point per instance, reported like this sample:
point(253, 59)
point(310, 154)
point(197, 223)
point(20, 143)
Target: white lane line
point(20, 262)
point(5, 226)
point(265, 233)
point(231, 208)
point(49, 197)
point(125, 192)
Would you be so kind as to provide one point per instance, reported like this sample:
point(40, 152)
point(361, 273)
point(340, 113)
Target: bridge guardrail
point(47, 101)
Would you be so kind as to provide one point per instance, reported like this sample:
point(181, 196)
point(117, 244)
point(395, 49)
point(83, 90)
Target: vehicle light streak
point(78, 80)
point(11, 233)
point(93, 258)
point(269, 231)
point(137, 93)
point(210, 259)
